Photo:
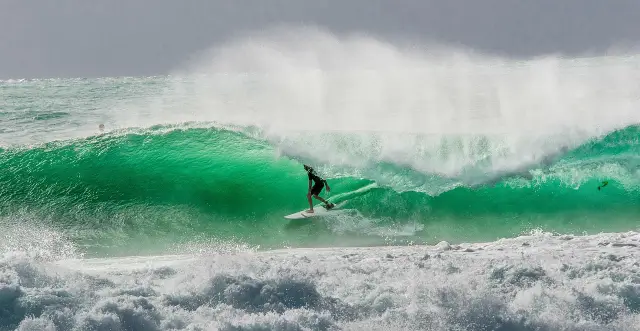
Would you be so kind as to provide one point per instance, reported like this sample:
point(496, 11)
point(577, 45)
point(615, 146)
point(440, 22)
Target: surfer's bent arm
point(310, 185)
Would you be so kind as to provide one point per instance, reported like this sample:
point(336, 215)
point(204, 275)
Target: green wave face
point(162, 186)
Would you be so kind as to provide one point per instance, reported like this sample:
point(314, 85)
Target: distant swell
point(176, 184)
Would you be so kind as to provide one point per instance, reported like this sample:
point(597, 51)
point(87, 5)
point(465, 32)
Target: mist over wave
point(350, 102)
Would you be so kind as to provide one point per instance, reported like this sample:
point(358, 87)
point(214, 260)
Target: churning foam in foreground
point(536, 282)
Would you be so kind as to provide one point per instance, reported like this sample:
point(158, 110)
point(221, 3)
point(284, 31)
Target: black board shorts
point(317, 188)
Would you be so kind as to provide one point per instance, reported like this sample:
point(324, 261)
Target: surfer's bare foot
point(310, 211)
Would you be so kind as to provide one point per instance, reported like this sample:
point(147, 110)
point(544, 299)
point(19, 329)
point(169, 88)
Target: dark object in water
point(605, 183)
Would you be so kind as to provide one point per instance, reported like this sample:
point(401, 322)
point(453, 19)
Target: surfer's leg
point(310, 203)
point(315, 190)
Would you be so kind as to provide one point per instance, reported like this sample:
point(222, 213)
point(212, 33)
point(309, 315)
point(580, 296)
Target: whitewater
point(474, 190)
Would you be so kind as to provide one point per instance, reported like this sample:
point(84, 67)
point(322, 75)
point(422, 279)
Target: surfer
point(318, 185)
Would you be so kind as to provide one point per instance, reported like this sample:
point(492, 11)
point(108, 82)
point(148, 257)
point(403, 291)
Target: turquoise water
point(164, 185)
point(219, 157)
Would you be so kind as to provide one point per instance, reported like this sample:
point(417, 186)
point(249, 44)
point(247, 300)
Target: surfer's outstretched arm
point(327, 185)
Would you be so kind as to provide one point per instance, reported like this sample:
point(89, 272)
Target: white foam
point(403, 103)
point(20, 234)
point(356, 103)
point(535, 282)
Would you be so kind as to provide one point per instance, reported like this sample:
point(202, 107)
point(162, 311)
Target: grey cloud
point(144, 37)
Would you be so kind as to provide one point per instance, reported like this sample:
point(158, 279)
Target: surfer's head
point(307, 168)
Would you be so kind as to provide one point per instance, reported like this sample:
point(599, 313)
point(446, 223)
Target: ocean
point(481, 192)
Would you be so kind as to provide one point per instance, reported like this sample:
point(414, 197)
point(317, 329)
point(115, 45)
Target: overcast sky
point(86, 38)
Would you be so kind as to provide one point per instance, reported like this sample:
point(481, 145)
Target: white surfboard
point(317, 211)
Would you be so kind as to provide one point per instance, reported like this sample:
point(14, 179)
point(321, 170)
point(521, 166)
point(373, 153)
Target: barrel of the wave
point(158, 184)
